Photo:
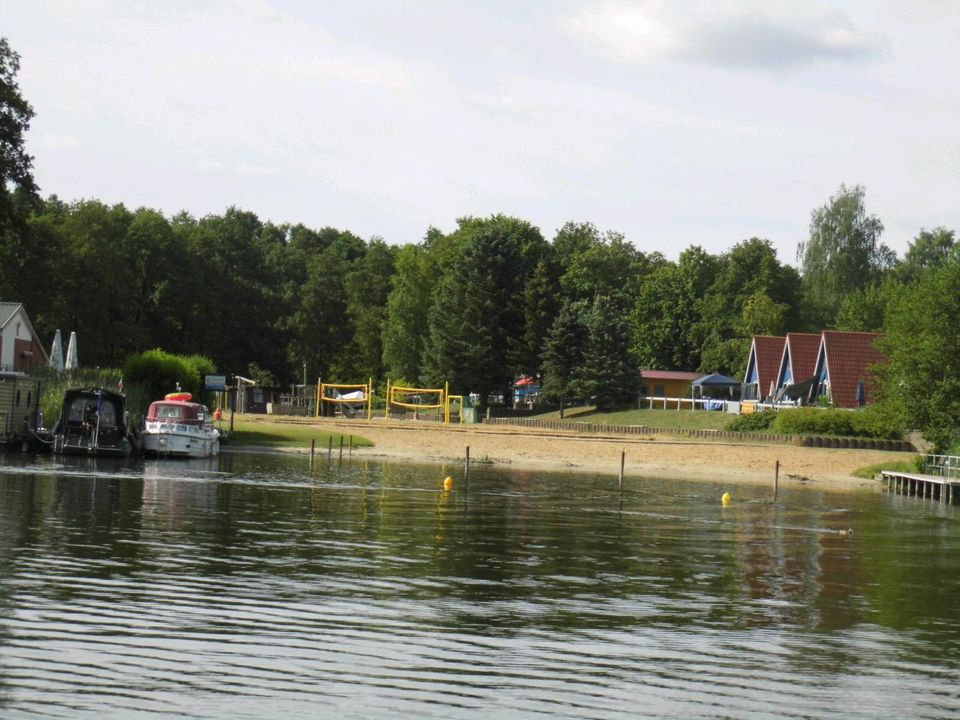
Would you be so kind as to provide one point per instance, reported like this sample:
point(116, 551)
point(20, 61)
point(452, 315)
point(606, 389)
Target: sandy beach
point(648, 456)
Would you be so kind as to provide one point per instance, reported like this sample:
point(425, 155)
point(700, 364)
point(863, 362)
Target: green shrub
point(754, 422)
point(158, 372)
point(870, 422)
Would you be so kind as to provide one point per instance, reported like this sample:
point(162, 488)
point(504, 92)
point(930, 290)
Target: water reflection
point(253, 586)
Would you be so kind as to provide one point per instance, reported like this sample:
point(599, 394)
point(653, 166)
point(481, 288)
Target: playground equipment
point(353, 401)
point(423, 403)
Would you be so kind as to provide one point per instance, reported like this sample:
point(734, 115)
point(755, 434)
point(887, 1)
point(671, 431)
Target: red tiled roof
point(850, 356)
point(768, 354)
point(804, 349)
point(669, 375)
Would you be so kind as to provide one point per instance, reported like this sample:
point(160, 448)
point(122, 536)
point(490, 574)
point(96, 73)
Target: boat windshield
point(84, 409)
point(169, 412)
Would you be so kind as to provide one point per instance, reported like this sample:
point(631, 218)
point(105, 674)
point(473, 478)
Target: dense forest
point(478, 307)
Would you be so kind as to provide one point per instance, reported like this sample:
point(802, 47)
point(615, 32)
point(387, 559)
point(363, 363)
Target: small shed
point(20, 348)
point(666, 383)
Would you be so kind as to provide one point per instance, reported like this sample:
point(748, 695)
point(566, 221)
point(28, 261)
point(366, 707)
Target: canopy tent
point(713, 380)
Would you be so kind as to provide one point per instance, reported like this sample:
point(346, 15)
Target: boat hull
point(177, 444)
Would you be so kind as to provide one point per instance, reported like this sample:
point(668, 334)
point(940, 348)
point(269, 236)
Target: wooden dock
point(936, 487)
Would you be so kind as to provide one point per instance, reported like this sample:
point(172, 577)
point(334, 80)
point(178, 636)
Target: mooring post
point(466, 462)
point(351, 446)
point(330, 448)
point(341, 448)
point(623, 458)
point(776, 479)
point(313, 444)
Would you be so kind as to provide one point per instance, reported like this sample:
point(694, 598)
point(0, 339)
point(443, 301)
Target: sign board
point(215, 382)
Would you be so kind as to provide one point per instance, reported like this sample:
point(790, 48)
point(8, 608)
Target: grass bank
point(263, 433)
point(668, 419)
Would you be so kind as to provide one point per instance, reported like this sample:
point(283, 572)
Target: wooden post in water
point(330, 448)
point(351, 446)
point(776, 479)
point(466, 462)
point(623, 459)
point(341, 448)
point(313, 446)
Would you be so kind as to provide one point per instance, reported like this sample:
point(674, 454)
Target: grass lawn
point(871, 471)
point(685, 419)
point(286, 435)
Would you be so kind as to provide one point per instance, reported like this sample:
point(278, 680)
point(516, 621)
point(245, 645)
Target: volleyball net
point(432, 404)
point(344, 400)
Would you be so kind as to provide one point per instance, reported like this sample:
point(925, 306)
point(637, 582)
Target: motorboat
point(178, 427)
point(93, 421)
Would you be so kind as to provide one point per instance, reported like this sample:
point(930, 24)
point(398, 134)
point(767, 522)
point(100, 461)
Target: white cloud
point(761, 35)
point(255, 171)
point(50, 141)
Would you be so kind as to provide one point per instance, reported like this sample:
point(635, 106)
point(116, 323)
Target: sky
point(674, 123)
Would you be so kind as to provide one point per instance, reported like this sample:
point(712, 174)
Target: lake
point(251, 586)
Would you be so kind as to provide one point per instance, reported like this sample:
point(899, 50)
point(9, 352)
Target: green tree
point(17, 187)
point(608, 373)
point(540, 303)
point(367, 287)
point(921, 383)
point(667, 311)
point(753, 293)
point(477, 323)
point(930, 249)
point(563, 354)
point(843, 253)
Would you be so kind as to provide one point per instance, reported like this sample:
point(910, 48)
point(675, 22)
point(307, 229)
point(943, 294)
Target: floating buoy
point(447, 483)
point(726, 498)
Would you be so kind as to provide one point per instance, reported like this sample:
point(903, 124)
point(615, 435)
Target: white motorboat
point(178, 427)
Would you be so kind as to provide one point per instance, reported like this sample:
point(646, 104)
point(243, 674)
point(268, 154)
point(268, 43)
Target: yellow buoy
point(447, 482)
point(726, 498)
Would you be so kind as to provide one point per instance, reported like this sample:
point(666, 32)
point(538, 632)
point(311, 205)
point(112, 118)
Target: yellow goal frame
point(442, 406)
point(340, 401)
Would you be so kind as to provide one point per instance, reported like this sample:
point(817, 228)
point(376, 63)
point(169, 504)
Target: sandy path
point(658, 456)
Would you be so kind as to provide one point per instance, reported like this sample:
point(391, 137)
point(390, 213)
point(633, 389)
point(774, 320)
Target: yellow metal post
point(370, 399)
point(319, 387)
point(446, 403)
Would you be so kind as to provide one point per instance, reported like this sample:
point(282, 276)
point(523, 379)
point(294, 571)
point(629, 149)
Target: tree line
point(477, 307)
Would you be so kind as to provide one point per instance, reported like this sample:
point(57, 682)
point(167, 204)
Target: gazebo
point(713, 380)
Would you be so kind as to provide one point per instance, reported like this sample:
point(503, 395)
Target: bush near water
point(158, 372)
point(868, 422)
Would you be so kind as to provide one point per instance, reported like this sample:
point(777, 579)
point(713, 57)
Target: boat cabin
point(93, 421)
point(177, 412)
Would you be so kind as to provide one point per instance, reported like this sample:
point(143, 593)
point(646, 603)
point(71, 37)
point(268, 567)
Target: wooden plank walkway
point(937, 487)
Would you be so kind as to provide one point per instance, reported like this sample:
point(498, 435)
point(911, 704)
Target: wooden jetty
point(937, 487)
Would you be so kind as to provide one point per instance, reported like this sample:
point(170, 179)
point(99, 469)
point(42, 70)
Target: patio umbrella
point(71, 363)
point(56, 353)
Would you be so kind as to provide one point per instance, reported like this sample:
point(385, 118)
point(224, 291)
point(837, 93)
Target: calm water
point(250, 587)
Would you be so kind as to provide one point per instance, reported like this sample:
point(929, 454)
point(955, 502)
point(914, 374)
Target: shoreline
point(658, 456)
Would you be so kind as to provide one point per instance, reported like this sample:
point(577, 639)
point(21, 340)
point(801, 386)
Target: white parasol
point(56, 353)
point(71, 363)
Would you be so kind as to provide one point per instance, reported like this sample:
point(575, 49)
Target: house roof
point(803, 349)
point(7, 311)
point(768, 351)
point(669, 375)
point(850, 356)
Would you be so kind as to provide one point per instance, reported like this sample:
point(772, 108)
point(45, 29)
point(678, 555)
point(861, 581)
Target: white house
point(20, 348)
